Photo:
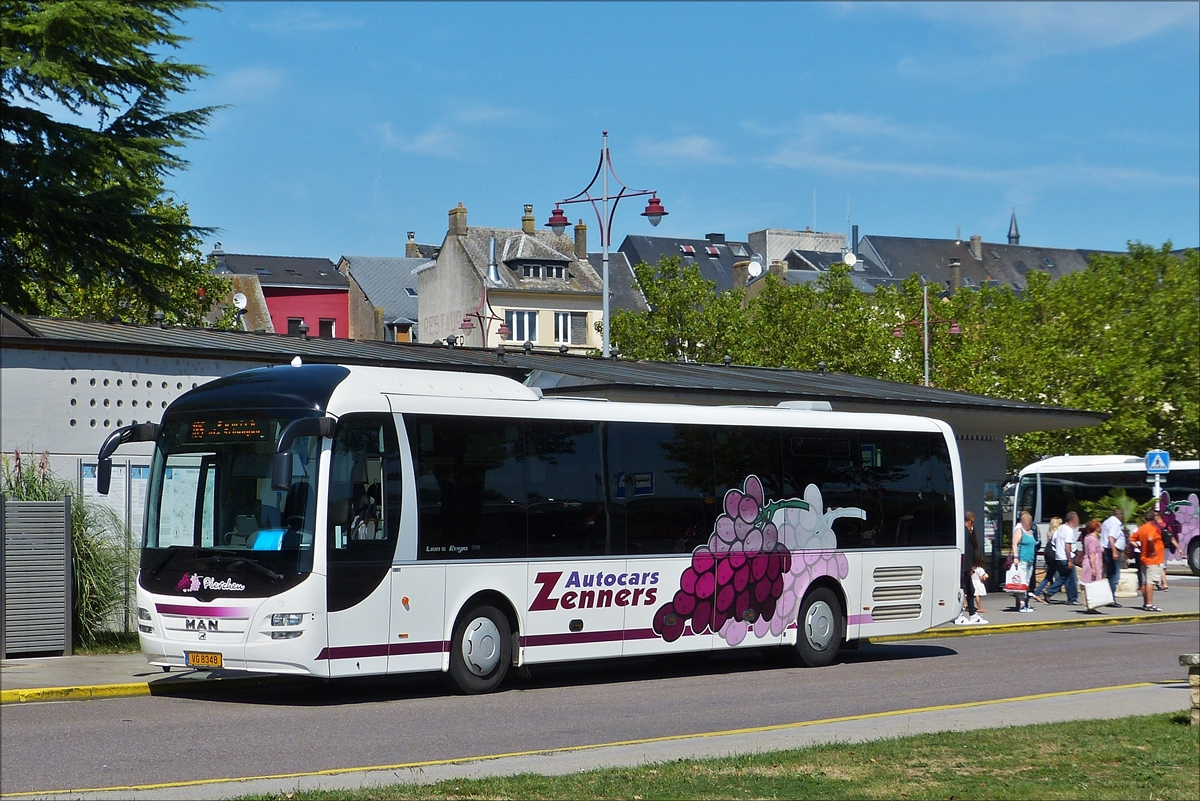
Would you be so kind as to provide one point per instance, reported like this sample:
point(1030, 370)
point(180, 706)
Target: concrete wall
point(447, 291)
point(363, 321)
point(775, 243)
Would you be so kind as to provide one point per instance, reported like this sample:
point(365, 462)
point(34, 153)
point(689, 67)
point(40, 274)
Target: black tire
point(480, 650)
point(1193, 556)
point(822, 627)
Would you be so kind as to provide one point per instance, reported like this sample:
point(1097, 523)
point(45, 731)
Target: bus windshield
point(212, 509)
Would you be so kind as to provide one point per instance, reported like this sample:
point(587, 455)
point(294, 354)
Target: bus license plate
point(203, 659)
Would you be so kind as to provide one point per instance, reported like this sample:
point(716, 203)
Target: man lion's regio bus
point(344, 521)
point(1055, 486)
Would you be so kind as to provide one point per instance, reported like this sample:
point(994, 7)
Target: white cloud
point(473, 114)
point(1005, 38)
point(436, 140)
point(293, 19)
point(682, 150)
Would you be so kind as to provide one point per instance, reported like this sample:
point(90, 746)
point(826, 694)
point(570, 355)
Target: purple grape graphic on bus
point(758, 562)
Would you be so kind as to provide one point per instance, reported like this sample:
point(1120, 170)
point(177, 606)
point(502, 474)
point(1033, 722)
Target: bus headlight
point(285, 635)
point(289, 619)
point(143, 613)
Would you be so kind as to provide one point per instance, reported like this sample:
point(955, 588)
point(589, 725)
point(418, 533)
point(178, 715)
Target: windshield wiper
point(171, 551)
point(242, 560)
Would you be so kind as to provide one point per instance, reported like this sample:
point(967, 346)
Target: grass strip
point(1146, 757)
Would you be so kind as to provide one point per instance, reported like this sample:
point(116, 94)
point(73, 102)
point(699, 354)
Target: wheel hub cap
point(819, 626)
point(481, 646)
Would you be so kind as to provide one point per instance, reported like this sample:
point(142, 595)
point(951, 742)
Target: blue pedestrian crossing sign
point(1158, 462)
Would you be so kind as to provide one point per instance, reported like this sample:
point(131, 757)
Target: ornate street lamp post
point(928, 318)
point(558, 220)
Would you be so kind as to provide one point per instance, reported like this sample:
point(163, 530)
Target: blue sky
point(349, 124)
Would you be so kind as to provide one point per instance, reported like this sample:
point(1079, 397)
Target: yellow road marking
point(575, 748)
point(74, 693)
point(1042, 625)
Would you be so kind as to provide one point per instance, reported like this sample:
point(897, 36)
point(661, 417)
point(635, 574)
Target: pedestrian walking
point(1093, 559)
point(1152, 556)
point(1168, 538)
point(1056, 561)
point(970, 549)
point(1024, 551)
point(1112, 538)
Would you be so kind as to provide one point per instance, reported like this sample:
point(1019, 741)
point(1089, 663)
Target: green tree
point(688, 318)
point(88, 141)
point(194, 287)
point(1118, 337)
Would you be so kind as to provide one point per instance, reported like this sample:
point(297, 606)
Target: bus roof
point(1098, 463)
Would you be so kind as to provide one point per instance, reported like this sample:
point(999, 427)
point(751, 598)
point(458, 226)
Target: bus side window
point(363, 510)
point(472, 487)
point(566, 496)
point(829, 460)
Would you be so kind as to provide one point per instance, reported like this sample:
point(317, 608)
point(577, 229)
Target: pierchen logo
point(192, 582)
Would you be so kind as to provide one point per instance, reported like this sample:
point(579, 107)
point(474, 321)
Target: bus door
point(578, 583)
point(661, 496)
point(363, 522)
point(907, 493)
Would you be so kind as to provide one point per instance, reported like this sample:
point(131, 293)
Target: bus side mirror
point(138, 432)
point(103, 475)
point(281, 471)
point(281, 465)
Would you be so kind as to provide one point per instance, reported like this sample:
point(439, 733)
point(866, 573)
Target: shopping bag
point(1096, 594)
point(1014, 580)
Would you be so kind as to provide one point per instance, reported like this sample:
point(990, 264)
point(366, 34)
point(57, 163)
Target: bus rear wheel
point(821, 629)
point(480, 650)
point(1193, 556)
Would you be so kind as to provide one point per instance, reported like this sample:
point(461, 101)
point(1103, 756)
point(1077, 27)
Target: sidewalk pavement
point(112, 675)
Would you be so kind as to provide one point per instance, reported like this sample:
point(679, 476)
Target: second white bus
point(344, 521)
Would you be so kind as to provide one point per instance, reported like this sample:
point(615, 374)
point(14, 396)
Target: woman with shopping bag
point(1024, 548)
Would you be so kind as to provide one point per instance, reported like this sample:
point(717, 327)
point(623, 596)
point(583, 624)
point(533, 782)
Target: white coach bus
point(345, 521)
point(1059, 484)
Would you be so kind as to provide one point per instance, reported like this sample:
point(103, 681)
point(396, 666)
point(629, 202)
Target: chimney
point(741, 274)
point(955, 275)
point(493, 269)
point(715, 239)
point(528, 224)
point(411, 249)
point(779, 269)
point(581, 241)
point(854, 239)
point(977, 247)
point(458, 221)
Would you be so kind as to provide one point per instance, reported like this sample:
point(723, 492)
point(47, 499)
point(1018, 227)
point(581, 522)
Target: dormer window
point(555, 271)
point(262, 271)
point(738, 250)
point(410, 291)
point(531, 271)
point(712, 251)
point(290, 271)
point(1048, 261)
point(687, 250)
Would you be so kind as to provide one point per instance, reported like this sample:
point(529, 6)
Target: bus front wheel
point(821, 629)
point(481, 650)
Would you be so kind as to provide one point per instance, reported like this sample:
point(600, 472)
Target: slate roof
point(718, 268)
point(386, 281)
point(805, 265)
point(514, 246)
point(626, 295)
point(1004, 263)
point(553, 373)
point(293, 272)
